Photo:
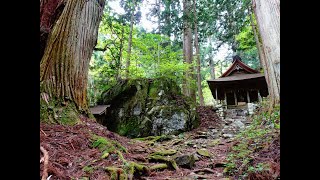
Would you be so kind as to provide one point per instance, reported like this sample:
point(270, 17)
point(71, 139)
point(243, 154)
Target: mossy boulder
point(186, 161)
point(148, 107)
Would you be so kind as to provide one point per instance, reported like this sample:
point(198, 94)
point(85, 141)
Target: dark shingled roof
point(237, 77)
point(99, 109)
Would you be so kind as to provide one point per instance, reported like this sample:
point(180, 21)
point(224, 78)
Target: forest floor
point(90, 151)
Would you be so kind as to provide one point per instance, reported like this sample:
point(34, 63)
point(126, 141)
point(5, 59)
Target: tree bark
point(196, 44)
point(130, 40)
point(267, 13)
point(168, 17)
point(64, 65)
point(187, 49)
point(261, 53)
point(120, 53)
point(159, 32)
point(50, 11)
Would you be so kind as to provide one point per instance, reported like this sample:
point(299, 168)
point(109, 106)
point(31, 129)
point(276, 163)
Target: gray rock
point(227, 135)
point(229, 120)
point(213, 131)
point(238, 125)
point(251, 108)
point(137, 109)
point(167, 125)
point(186, 161)
point(144, 107)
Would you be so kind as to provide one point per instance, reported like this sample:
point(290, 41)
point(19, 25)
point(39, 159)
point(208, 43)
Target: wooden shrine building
point(239, 85)
point(99, 112)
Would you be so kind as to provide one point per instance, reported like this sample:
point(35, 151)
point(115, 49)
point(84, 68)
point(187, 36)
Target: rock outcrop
point(144, 107)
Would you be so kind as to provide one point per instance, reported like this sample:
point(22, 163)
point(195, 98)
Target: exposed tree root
point(45, 163)
point(204, 170)
point(169, 161)
point(158, 167)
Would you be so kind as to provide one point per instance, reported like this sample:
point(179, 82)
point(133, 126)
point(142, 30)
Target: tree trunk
point(211, 62)
point(130, 40)
point(261, 53)
point(64, 64)
point(159, 32)
point(267, 13)
point(187, 49)
point(168, 17)
point(196, 44)
point(212, 70)
point(50, 11)
point(120, 53)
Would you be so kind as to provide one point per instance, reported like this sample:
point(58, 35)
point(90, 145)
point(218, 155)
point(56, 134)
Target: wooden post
point(225, 98)
point(235, 98)
point(248, 97)
point(259, 96)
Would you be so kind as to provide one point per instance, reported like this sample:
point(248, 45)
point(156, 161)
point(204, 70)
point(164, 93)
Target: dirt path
point(72, 156)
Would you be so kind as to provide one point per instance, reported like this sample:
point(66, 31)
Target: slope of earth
point(90, 151)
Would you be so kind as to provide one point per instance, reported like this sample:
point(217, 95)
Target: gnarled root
point(45, 163)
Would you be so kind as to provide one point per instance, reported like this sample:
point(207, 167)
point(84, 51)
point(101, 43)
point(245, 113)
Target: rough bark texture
point(261, 54)
point(268, 18)
point(64, 64)
point(50, 11)
point(187, 48)
point(196, 44)
point(130, 41)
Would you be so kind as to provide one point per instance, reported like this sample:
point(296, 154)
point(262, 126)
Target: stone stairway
point(235, 120)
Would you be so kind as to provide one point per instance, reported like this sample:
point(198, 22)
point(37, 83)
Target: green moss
point(129, 127)
point(153, 91)
point(130, 168)
point(158, 167)
point(104, 155)
point(119, 146)
point(150, 140)
point(88, 169)
point(203, 152)
point(121, 157)
point(106, 146)
point(214, 142)
point(127, 95)
point(169, 161)
point(135, 168)
point(165, 152)
point(58, 111)
point(116, 173)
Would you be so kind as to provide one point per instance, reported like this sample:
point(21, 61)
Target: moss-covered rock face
point(144, 107)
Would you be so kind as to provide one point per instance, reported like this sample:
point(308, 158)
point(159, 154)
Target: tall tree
point(267, 13)
point(132, 15)
point(196, 44)
point(187, 48)
point(68, 49)
point(130, 38)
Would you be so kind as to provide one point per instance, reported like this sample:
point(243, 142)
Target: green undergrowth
point(264, 129)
